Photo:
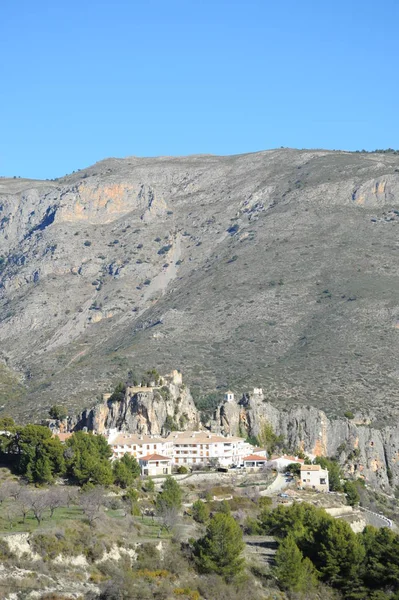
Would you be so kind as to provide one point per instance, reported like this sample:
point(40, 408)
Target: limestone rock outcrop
point(362, 450)
point(151, 410)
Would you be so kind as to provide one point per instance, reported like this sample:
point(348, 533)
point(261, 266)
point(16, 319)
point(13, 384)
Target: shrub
point(87, 243)
point(5, 551)
point(349, 414)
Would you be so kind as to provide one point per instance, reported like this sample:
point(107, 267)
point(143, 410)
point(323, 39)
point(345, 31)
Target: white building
point(183, 447)
point(138, 445)
point(280, 463)
point(229, 396)
point(155, 464)
point(202, 447)
point(254, 462)
point(313, 476)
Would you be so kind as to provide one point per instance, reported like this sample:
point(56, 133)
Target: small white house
point(229, 396)
point(155, 464)
point(314, 477)
point(280, 463)
point(254, 462)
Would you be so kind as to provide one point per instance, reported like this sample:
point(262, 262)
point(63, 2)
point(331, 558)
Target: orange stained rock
point(110, 201)
point(319, 448)
point(380, 187)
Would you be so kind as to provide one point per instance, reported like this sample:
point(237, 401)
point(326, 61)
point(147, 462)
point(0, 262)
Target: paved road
point(376, 519)
point(276, 486)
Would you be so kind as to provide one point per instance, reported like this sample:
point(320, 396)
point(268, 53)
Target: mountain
point(277, 269)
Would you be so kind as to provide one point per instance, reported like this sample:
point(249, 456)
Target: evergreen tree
point(58, 412)
point(40, 457)
point(219, 551)
point(88, 459)
point(294, 573)
point(200, 511)
point(341, 554)
point(126, 470)
point(352, 495)
point(171, 495)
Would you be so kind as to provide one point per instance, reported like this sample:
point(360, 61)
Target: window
point(165, 471)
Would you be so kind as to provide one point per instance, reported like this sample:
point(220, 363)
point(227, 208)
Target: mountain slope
point(278, 269)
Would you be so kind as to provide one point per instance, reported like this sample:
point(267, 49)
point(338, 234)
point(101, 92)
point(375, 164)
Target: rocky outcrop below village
point(362, 450)
point(151, 410)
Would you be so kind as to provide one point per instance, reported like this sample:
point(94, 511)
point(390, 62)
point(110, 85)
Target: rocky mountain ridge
point(277, 268)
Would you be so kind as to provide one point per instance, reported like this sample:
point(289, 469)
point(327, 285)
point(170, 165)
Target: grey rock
point(143, 411)
point(362, 450)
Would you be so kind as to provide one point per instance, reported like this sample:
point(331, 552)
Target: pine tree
point(171, 495)
point(200, 511)
point(293, 572)
point(219, 551)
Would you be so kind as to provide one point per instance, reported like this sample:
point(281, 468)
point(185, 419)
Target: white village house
point(254, 462)
point(314, 477)
point(280, 463)
point(155, 464)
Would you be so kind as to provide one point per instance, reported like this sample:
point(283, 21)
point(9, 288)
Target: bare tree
point(4, 494)
point(15, 489)
point(169, 516)
point(71, 494)
point(91, 503)
point(24, 503)
point(38, 504)
point(55, 499)
point(11, 512)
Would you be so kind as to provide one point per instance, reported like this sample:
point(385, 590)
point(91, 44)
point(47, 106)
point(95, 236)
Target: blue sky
point(84, 80)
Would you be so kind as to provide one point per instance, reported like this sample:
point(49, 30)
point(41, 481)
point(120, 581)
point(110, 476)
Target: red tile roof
point(154, 457)
point(254, 457)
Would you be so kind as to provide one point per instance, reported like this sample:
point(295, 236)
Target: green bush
point(200, 511)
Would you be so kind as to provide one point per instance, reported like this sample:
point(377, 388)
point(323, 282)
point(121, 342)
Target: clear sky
point(83, 80)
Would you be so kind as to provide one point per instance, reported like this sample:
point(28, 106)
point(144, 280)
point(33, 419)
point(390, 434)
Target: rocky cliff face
point(144, 410)
point(276, 268)
point(362, 450)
